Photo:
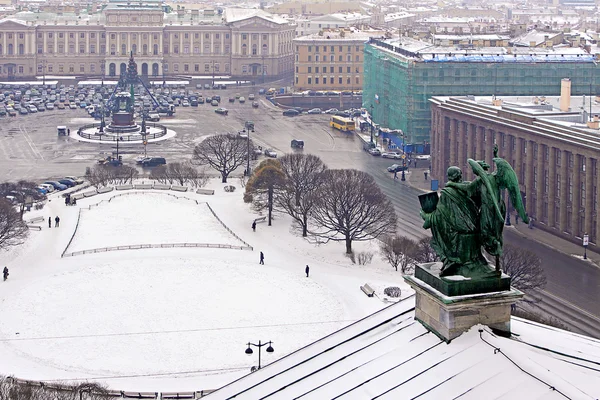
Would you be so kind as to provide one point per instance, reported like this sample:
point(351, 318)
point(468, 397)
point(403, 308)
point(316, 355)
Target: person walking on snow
point(262, 258)
point(56, 221)
point(49, 222)
point(5, 273)
point(307, 270)
point(254, 226)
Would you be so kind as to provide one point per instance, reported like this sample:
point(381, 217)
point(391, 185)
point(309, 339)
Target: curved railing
point(156, 246)
point(125, 138)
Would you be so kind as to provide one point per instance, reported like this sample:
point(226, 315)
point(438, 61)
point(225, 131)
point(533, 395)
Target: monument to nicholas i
point(466, 218)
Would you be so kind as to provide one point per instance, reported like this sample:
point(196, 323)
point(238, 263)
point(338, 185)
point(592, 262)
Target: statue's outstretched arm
point(506, 178)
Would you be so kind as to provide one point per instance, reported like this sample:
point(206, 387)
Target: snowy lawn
point(173, 319)
point(148, 218)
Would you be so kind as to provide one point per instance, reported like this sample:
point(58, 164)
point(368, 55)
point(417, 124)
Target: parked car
point(67, 182)
point(397, 168)
point(297, 144)
point(214, 103)
point(232, 99)
point(332, 111)
point(49, 188)
point(423, 157)
point(255, 104)
point(217, 97)
point(153, 162)
point(291, 113)
point(72, 106)
point(153, 117)
point(11, 113)
point(251, 96)
point(271, 153)
point(392, 154)
point(222, 111)
point(375, 152)
point(315, 111)
point(57, 185)
point(41, 190)
point(242, 99)
point(78, 181)
point(185, 103)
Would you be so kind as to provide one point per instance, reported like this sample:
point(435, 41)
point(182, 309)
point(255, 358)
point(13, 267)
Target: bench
point(90, 193)
point(105, 189)
point(367, 290)
point(36, 220)
point(260, 219)
point(205, 191)
point(142, 186)
point(179, 188)
point(139, 395)
point(159, 186)
point(186, 395)
point(124, 187)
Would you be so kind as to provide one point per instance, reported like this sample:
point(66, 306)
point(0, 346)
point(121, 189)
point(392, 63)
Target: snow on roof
point(390, 355)
point(239, 14)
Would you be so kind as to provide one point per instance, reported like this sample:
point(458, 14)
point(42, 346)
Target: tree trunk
point(304, 226)
point(348, 245)
point(223, 177)
point(270, 204)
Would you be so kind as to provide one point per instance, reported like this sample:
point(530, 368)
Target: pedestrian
point(74, 201)
point(69, 131)
point(415, 163)
point(307, 270)
point(530, 226)
point(262, 258)
point(395, 174)
point(56, 221)
point(5, 273)
point(49, 222)
point(425, 173)
point(517, 219)
point(254, 225)
point(67, 199)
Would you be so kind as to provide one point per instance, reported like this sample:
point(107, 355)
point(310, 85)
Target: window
point(61, 49)
point(21, 49)
point(175, 67)
point(92, 48)
point(316, 49)
point(296, 69)
point(196, 67)
point(196, 50)
point(309, 70)
point(226, 67)
point(316, 70)
point(145, 49)
point(21, 36)
point(82, 36)
point(176, 49)
point(340, 70)
point(71, 49)
point(217, 36)
point(226, 49)
point(81, 68)
point(332, 49)
point(186, 49)
point(103, 35)
point(331, 80)
point(217, 48)
point(309, 58)
point(309, 81)
point(206, 36)
point(40, 49)
point(264, 37)
point(50, 68)
point(123, 49)
point(217, 67)
point(206, 68)
point(61, 68)
point(244, 69)
point(39, 36)
point(348, 70)
point(134, 48)
point(357, 59)
point(348, 80)
point(50, 36)
point(316, 80)
point(92, 67)
point(50, 49)
point(332, 58)
point(340, 80)
point(357, 80)
point(349, 58)
point(317, 58)
point(357, 48)
point(112, 36)
point(296, 80)
point(186, 68)
point(206, 48)
point(176, 36)
point(81, 49)
point(264, 49)
point(71, 68)
point(245, 49)
point(155, 49)
point(340, 58)
point(309, 49)
point(340, 48)
point(254, 36)
point(357, 70)
point(186, 36)
point(123, 36)
point(21, 69)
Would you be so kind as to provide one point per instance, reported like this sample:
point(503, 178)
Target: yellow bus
point(341, 123)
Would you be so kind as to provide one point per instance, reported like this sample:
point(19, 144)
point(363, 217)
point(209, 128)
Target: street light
point(43, 66)
point(403, 158)
point(371, 123)
point(586, 242)
point(259, 345)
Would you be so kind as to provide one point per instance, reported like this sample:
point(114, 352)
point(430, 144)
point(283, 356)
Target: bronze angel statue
point(470, 216)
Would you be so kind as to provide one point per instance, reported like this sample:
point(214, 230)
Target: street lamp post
point(371, 123)
point(259, 345)
point(43, 66)
point(586, 242)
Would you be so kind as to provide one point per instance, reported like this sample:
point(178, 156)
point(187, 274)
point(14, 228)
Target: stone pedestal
point(450, 316)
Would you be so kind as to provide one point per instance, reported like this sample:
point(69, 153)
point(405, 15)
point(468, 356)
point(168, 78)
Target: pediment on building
point(7, 24)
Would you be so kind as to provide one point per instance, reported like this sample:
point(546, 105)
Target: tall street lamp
point(259, 345)
point(43, 67)
point(371, 123)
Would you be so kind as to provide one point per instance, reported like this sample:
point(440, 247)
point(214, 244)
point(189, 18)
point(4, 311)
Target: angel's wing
point(506, 178)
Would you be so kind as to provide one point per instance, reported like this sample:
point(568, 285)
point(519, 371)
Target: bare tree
point(399, 251)
point(350, 206)
point(303, 175)
point(98, 176)
point(424, 252)
point(223, 153)
point(22, 193)
point(13, 230)
point(524, 268)
point(261, 187)
point(179, 173)
point(122, 174)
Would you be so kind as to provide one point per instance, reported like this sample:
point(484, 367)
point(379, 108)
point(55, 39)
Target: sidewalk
point(416, 179)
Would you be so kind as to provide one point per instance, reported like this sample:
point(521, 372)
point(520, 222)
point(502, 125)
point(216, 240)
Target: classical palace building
point(553, 146)
point(233, 41)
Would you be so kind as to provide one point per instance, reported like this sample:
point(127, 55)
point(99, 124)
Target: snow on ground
point(172, 319)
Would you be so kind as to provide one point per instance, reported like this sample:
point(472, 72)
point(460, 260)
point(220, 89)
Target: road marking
point(30, 142)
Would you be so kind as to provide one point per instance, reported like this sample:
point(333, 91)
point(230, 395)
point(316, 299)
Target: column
point(539, 191)
point(160, 47)
point(87, 43)
point(76, 45)
point(552, 187)
point(478, 139)
point(576, 203)
point(518, 156)
point(489, 152)
point(529, 190)
point(181, 34)
point(564, 191)
point(170, 43)
point(589, 197)
point(128, 43)
point(460, 140)
point(452, 141)
point(44, 45)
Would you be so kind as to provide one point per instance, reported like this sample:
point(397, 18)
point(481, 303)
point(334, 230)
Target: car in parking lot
point(222, 111)
point(67, 182)
point(49, 188)
point(185, 103)
point(23, 111)
point(251, 96)
point(271, 153)
point(60, 106)
point(78, 181)
point(392, 154)
point(423, 157)
point(72, 106)
point(11, 113)
point(331, 111)
point(397, 168)
point(57, 185)
point(232, 99)
point(242, 99)
point(291, 113)
point(315, 111)
point(214, 103)
point(374, 151)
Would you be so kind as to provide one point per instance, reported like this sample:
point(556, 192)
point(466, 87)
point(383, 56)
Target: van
point(153, 162)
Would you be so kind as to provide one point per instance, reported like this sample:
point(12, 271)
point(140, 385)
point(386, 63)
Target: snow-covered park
point(172, 319)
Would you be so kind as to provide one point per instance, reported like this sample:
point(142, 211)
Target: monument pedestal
point(448, 316)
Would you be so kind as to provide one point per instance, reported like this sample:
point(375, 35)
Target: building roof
point(239, 14)
point(486, 36)
point(350, 35)
point(389, 355)
point(537, 37)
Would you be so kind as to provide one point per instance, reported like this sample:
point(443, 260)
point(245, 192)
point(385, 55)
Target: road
point(31, 149)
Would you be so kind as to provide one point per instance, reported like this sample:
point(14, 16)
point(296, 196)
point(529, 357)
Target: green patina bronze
point(469, 217)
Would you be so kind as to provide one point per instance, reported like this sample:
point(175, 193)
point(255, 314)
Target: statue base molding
point(449, 316)
point(458, 285)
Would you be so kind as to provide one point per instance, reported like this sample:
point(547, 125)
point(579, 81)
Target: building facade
point(239, 42)
point(330, 60)
point(400, 78)
point(555, 155)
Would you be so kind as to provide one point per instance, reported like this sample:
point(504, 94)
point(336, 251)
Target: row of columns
point(574, 191)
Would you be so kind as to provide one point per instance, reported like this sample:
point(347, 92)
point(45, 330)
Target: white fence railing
point(156, 246)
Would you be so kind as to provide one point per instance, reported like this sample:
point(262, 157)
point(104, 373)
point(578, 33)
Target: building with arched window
point(240, 41)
